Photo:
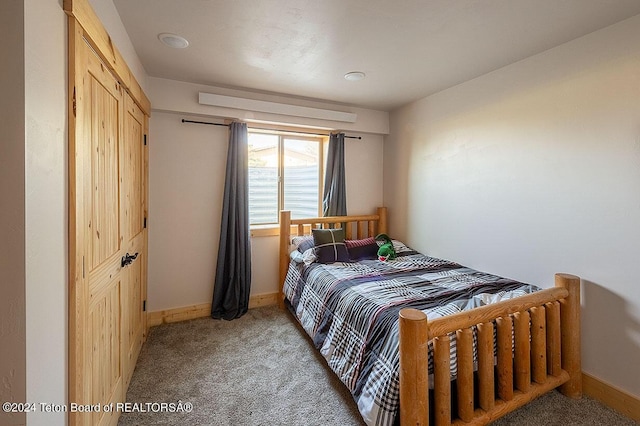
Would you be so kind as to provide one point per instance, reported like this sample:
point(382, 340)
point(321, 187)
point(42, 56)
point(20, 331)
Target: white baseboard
point(203, 310)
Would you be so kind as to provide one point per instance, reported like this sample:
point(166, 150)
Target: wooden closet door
point(107, 322)
point(134, 187)
point(107, 282)
point(108, 169)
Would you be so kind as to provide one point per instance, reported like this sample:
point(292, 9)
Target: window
point(284, 174)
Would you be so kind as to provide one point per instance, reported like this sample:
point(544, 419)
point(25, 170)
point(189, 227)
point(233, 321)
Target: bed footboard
point(537, 349)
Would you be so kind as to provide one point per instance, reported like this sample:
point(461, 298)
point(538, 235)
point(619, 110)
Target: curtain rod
point(258, 128)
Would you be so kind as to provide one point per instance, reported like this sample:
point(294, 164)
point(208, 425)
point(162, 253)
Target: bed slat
point(486, 385)
point(503, 407)
point(442, 380)
point(348, 231)
point(371, 229)
point(553, 337)
point(539, 344)
point(464, 381)
point(523, 351)
point(505, 360)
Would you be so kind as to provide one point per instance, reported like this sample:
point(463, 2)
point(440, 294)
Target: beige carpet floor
point(261, 369)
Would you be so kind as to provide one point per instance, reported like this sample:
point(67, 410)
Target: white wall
point(12, 213)
point(186, 173)
point(186, 181)
point(36, 283)
point(534, 169)
point(186, 166)
point(46, 206)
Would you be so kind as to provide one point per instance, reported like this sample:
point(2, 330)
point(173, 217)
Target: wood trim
point(146, 224)
point(612, 397)
point(264, 299)
point(203, 310)
point(77, 280)
point(178, 314)
point(99, 38)
point(266, 231)
point(336, 219)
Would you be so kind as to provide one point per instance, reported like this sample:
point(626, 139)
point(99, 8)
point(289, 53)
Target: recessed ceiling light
point(354, 76)
point(173, 40)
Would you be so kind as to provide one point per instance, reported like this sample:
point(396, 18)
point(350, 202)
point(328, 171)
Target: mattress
point(350, 311)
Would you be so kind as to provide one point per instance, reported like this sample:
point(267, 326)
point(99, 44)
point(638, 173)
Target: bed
point(438, 343)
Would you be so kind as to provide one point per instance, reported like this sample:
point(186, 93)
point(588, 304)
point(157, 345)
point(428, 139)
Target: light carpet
point(262, 369)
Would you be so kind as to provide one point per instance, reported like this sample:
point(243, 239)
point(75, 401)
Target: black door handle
point(127, 259)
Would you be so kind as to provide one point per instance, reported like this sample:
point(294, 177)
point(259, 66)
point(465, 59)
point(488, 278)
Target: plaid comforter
point(350, 310)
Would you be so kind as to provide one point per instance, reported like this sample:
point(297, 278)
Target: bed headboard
point(355, 227)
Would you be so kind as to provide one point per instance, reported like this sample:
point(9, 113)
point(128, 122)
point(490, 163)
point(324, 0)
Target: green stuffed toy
point(386, 250)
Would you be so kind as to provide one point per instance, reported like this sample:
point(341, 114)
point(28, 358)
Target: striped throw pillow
point(366, 248)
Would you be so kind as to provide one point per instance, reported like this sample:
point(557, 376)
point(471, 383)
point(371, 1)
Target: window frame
point(272, 229)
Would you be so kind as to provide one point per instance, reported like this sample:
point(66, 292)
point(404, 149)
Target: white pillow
point(308, 257)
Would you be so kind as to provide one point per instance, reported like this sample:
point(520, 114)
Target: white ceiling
point(407, 48)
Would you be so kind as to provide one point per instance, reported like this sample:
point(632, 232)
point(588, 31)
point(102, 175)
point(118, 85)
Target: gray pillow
point(329, 245)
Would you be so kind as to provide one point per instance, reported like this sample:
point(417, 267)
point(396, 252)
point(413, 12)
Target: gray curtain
point(233, 272)
point(334, 200)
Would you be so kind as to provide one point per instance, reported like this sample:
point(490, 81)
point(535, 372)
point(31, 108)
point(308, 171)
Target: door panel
point(134, 168)
point(106, 377)
point(102, 198)
point(133, 316)
point(134, 209)
point(103, 108)
point(104, 224)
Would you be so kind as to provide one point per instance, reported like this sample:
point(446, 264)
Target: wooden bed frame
point(537, 338)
